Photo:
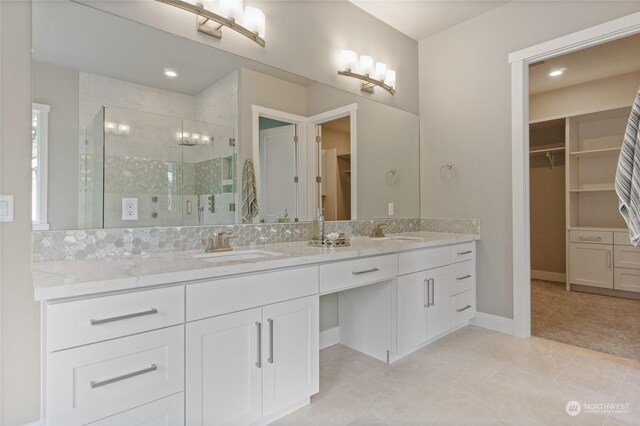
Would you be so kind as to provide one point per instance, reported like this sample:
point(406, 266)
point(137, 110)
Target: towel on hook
point(249, 193)
point(628, 174)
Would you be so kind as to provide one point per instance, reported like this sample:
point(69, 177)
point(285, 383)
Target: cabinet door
point(223, 370)
point(591, 264)
point(412, 311)
point(290, 353)
point(437, 280)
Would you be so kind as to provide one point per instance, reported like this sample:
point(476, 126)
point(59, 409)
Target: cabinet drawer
point(211, 298)
point(167, 411)
point(92, 320)
point(96, 381)
point(462, 252)
point(626, 257)
point(352, 273)
point(627, 279)
point(621, 238)
point(462, 307)
point(463, 277)
point(592, 237)
point(420, 260)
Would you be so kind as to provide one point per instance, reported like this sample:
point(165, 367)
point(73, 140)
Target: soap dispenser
point(320, 229)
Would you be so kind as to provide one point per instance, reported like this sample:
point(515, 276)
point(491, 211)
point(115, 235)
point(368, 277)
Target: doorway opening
point(560, 126)
point(335, 166)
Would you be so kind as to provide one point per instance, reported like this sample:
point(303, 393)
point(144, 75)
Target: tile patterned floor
point(473, 376)
point(602, 323)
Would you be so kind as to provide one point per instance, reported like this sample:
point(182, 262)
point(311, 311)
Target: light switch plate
point(390, 209)
point(6, 208)
point(129, 209)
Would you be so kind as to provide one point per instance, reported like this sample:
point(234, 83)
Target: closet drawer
point(626, 257)
point(463, 277)
point(462, 252)
point(626, 279)
point(423, 259)
point(101, 318)
point(621, 238)
point(167, 411)
point(592, 237)
point(211, 298)
point(462, 307)
point(92, 382)
point(352, 273)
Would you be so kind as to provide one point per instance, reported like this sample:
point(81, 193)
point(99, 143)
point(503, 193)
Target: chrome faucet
point(378, 231)
point(219, 243)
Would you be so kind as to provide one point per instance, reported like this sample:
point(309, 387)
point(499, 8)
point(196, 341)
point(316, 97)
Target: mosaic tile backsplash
point(100, 243)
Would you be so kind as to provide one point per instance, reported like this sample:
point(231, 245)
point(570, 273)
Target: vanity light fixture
point(213, 15)
point(366, 69)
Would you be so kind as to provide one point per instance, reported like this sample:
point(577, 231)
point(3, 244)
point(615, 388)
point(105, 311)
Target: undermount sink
point(233, 256)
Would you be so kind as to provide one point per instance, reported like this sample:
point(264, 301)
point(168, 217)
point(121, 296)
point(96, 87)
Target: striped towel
point(249, 193)
point(628, 174)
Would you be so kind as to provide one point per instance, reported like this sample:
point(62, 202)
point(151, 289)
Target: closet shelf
point(544, 151)
point(603, 188)
point(591, 152)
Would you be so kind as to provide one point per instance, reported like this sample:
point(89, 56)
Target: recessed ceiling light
point(556, 73)
point(170, 73)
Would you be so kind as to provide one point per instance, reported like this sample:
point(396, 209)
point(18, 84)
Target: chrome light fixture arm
point(368, 82)
point(202, 26)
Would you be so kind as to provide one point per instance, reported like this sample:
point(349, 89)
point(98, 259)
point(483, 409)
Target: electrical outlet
point(390, 209)
point(129, 209)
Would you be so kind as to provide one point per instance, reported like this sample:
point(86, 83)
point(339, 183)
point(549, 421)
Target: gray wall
point(19, 314)
point(303, 37)
point(58, 87)
point(465, 110)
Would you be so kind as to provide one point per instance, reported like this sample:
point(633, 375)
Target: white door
point(591, 264)
point(223, 369)
point(278, 168)
point(411, 311)
point(437, 311)
point(290, 353)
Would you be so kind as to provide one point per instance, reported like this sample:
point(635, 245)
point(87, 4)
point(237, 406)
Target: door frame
point(520, 60)
point(300, 122)
point(313, 131)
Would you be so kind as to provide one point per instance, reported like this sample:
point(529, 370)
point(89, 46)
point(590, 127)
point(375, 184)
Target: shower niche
point(179, 171)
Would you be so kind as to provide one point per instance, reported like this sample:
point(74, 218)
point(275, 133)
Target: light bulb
point(381, 70)
point(195, 137)
point(254, 20)
point(231, 9)
point(348, 59)
point(366, 65)
point(390, 78)
point(110, 127)
point(123, 129)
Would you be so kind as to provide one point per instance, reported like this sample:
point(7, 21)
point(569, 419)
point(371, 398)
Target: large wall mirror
point(136, 127)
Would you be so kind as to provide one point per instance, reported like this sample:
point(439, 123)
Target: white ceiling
point(421, 18)
point(605, 60)
point(76, 36)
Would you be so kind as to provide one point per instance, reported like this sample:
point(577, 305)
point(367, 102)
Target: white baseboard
point(493, 322)
point(549, 276)
point(329, 337)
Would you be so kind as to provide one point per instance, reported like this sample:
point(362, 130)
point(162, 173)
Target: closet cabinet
point(246, 366)
point(591, 264)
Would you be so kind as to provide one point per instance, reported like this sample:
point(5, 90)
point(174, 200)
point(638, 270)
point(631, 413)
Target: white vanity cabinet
point(437, 299)
point(247, 366)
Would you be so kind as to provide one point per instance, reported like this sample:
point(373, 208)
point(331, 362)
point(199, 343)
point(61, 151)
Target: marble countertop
point(56, 280)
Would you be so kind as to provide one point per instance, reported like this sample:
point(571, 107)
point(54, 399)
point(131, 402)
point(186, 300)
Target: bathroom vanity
point(199, 341)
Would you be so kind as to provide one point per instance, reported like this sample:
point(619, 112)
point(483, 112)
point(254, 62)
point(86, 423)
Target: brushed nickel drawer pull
point(149, 369)
point(259, 362)
point(365, 271)
point(270, 359)
point(432, 296)
point(426, 283)
point(463, 309)
point(463, 278)
point(460, 253)
point(590, 238)
point(123, 317)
